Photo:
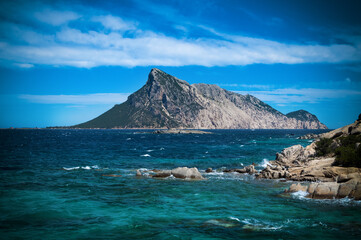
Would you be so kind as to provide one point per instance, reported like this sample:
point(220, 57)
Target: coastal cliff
point(168, 102)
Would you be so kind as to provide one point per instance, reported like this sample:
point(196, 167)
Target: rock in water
point(187, 173)
point(162, 174)
point(209, 170)
point(138, 173)
point(168, 102)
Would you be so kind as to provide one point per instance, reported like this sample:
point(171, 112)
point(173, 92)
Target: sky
point(66, 62)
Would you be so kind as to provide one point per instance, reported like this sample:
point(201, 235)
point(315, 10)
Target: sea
point(81, 184)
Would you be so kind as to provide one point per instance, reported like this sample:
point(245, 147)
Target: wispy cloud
point(54, 17)
point(24, 65)
point(85, 99)
point(254, 86)
point(114, 23)
point(303, 95)
point(120, 42)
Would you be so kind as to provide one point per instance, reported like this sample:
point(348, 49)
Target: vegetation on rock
point(346, 149)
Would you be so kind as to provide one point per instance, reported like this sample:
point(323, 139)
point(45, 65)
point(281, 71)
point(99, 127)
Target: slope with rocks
point(168, 102)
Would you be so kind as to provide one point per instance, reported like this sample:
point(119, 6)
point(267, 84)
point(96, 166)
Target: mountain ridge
point(168, 102)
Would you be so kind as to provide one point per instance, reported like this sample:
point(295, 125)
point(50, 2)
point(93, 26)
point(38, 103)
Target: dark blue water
point(54, 185)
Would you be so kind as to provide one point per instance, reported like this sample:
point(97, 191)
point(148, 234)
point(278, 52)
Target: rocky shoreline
point(180, 131)
point(320, 178)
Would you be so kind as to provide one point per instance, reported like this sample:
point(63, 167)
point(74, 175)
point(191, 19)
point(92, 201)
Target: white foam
point(145, 155)
point(234, 218)
point(265, 163)
point(86, 168)
point(129, 139)
point(150, 150)
point(299, 194)
point(162, 148)
point(71, 168)
point(143, 169)
point(241, 146)
point(256, 225)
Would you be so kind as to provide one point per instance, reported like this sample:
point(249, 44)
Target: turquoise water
point(53, 186)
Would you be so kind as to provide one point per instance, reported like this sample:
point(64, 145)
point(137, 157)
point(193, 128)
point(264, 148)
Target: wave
point(256, 225)
point(145, 155)
point(84, 168)
point(301, 195)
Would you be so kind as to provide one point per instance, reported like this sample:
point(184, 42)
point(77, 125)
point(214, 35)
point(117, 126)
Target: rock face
point(351, 129)
point(330, 190)
point(168, 102)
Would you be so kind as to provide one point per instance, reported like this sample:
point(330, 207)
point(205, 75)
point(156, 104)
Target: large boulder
point(293, 155)
point(297, 187)
point(186, 173)
point(326, 190)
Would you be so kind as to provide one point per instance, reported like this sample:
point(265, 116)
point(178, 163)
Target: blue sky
point(65, 62)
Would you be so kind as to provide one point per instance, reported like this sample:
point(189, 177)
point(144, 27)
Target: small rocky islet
point(324, 174)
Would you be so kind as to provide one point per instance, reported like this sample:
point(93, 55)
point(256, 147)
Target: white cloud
point(56, 18)
point(24, 65)
point(303, 95)
point(85, 99)
point(81, 47)
point(114, 23)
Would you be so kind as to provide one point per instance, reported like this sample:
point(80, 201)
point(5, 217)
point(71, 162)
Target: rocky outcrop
point(248, 169)
point(168, 102)
point(328, 181)
point(351, 129)
point(180, 172)
point(309, 136)
point(186, 173)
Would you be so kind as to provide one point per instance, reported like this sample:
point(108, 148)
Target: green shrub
point(323, 147)
point(347, 155)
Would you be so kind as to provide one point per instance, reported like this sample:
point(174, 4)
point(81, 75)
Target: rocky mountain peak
point(158, 77)
point(166, 101)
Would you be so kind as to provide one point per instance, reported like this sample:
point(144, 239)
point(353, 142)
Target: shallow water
point(53, 186)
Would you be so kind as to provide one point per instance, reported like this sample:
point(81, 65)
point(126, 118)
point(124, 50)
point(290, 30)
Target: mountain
point(302, 115)
point(168, 102)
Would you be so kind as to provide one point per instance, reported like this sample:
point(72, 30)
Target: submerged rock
point(111, 175)
point(209, 170)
